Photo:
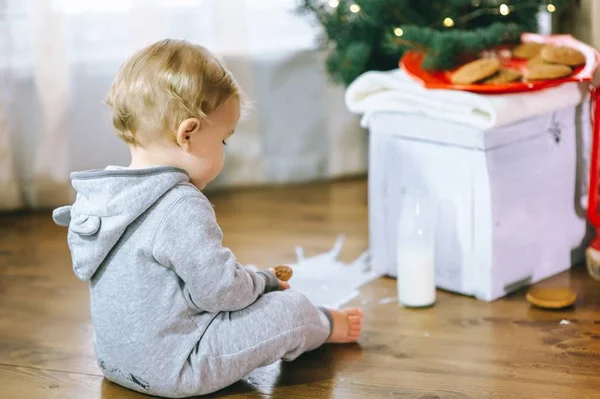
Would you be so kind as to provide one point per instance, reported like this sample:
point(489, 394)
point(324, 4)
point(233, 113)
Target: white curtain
point(58, 57)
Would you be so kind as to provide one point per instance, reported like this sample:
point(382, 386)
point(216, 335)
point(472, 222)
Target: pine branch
point(368, 39)
point(445, 50)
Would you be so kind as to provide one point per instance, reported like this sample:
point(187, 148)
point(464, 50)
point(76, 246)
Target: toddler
point(173, 312)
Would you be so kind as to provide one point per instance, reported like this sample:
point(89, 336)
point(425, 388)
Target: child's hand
point(283, 285)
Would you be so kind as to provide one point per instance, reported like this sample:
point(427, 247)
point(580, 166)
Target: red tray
point(411, 63)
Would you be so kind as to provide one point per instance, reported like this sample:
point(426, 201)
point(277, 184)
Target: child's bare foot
point(347, 325)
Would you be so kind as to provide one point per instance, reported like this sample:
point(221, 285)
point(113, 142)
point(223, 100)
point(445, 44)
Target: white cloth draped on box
point(396, 91)
point(58, 57)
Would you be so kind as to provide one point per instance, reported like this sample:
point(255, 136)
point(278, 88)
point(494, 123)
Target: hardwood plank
point(31, 383)
point(460, 348)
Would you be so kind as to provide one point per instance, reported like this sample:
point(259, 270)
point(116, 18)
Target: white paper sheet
point(328, 282)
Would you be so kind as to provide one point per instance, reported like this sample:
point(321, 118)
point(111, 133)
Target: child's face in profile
point(203, 158)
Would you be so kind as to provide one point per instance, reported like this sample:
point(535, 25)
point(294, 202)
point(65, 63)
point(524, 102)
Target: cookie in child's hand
point(527, 50)
point(504, 75)
point(563, 55)
point(475, 71)
point(547, 72)
point(283, 272)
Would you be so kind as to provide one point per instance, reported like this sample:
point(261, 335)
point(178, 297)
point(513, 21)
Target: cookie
point(551, 298)
point(475, 71)
point(536, 60)
point(504, 75)
point(283, 273)
point(563, 55)
point(527, 50)
point(547, 72)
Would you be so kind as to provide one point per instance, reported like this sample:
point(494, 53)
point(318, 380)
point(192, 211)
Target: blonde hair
point(165, 83)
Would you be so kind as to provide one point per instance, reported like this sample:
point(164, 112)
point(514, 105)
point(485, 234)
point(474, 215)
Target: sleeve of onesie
point(189, 241)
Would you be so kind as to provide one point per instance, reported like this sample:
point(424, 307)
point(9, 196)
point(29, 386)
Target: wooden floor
point(460, 348)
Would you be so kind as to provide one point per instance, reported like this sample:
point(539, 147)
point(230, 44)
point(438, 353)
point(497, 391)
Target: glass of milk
point(416, 249)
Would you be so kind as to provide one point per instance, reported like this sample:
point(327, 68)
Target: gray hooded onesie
point(173, 312)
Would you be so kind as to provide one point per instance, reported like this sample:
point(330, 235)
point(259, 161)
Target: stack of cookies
point(545, 62)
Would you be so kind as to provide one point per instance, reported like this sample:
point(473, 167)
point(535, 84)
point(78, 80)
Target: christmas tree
point(365, 35)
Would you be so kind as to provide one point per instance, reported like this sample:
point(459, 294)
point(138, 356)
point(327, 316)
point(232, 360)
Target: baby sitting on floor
point(173, 312)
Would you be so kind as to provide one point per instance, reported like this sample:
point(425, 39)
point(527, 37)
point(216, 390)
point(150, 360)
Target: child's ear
point(187, 131)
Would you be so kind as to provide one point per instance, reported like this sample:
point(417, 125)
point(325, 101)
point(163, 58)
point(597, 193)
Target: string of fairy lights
point(449, 22)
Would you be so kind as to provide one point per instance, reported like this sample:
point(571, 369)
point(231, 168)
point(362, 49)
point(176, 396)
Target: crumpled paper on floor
point(327, 281)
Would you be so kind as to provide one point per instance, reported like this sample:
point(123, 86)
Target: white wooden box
point(508, 199)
